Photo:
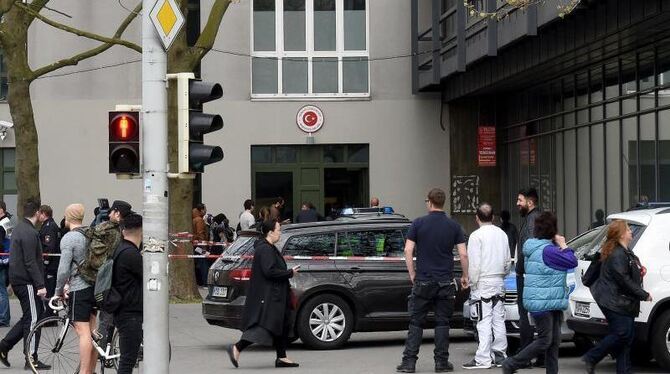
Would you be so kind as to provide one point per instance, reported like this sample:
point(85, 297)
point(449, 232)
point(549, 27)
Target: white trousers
point(491, 326)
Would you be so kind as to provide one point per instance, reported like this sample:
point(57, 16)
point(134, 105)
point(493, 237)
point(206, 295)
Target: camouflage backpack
point(102, 240)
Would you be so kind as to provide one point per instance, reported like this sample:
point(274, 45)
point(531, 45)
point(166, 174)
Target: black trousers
point(130, 339)
point(526, 331)
point(32, 308)
point(279, 342)
point(50, 285)
point(425, 294)
point(548, 340)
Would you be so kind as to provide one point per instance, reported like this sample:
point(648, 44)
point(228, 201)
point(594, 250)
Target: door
point(372, 262)
point(269, 185)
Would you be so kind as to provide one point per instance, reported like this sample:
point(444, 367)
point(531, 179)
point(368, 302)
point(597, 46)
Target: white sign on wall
point(309, 119)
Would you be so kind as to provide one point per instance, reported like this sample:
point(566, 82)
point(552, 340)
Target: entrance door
point(270, 185)
point(345, 187)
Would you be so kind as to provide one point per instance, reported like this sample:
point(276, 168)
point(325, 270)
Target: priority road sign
point(167, 20)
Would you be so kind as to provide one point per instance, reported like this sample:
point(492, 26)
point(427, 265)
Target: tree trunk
point(21, 108)
point(183, 287)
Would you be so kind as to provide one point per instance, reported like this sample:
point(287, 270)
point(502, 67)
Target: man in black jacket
point(127, 280)
point(527, 205)
point(50, 239)
point(26, 275)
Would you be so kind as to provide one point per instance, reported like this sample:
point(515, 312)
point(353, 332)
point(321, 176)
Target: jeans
point(4, 297)
point(618, 341)
point(32, 308)
point(525, 329)
point(424, 295)
point(548, 327)
point(130, 339)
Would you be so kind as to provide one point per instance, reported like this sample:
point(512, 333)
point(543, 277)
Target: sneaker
point(473, 364)
point(37, 365)
point(507, 370)
point(405, 367)
point(498, 358)
point(589, 368)
point(443, 368)
point(3, 358)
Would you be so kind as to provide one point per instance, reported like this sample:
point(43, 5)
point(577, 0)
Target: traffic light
point(194, 124)
point(124, 142)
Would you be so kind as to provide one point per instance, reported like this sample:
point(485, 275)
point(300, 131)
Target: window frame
point(310, 54)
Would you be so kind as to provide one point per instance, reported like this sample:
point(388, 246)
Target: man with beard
point(527, 204)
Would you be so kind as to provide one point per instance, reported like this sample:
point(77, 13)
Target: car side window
point(310, 245)
point(389, 243)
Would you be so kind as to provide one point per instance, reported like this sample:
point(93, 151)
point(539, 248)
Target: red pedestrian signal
point(124, 142)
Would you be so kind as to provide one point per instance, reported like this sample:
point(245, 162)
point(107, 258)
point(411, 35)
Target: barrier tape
point(288, 258)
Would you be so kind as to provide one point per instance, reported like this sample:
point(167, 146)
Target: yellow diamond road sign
point(167, 20)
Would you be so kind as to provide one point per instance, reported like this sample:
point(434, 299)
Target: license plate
point(220, 292)
point(583, 309)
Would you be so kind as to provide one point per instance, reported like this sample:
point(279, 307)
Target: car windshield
point(581, 242)
point(242, 246)
point(588, 251)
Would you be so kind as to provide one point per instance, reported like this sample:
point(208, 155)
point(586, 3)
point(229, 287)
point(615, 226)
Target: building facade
point(580, 105)
point(349, 58)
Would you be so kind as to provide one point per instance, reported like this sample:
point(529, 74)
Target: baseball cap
point(122, 207)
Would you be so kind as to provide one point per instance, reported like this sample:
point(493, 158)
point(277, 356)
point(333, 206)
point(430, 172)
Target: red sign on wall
point(486, 146)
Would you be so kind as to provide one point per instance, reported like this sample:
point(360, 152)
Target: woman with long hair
point(267, 310)
point(618, 292)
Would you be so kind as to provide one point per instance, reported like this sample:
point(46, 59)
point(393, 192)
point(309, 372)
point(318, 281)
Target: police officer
point(50, 238)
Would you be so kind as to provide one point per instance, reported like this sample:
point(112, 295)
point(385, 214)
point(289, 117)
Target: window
point(310, 245)
point(310, 48)
point(8, 191)
point(389, 243)
point(3, 77)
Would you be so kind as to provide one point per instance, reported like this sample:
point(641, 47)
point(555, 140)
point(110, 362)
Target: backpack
point(107, 297)
point(102, 240)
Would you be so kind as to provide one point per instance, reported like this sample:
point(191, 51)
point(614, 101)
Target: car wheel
point(660, 340)
point(325, 322)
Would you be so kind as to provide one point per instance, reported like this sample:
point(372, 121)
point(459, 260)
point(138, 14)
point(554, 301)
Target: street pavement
point(200, 348)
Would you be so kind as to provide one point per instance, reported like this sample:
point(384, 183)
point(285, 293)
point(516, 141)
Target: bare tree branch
point(78, 32)
point(208, 35)
point(74, 60)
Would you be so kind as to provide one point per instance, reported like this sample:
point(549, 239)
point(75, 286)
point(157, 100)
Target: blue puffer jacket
point(545, 289)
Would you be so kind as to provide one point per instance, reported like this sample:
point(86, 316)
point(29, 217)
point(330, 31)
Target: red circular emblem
point(309, 119)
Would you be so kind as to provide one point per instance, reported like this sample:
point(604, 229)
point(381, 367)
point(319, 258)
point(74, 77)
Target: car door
point(314, 253)
point(371, 260)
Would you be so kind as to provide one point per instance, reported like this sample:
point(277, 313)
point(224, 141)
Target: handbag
point(593, 272)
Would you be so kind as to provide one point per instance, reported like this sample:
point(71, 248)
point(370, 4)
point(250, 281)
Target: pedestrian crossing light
point(194, 124)
point(124, 142)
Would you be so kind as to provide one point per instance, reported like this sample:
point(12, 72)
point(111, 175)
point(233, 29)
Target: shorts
point(82, 305)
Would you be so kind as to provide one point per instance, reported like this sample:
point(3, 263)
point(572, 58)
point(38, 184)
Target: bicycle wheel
point(58, 346)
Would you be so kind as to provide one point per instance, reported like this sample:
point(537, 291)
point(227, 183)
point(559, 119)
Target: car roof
point(641, 216)
point(345, 224)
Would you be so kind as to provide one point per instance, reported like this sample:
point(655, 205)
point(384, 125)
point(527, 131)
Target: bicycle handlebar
point(60, 305)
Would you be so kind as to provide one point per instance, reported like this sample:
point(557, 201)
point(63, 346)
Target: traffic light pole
point(155, 199)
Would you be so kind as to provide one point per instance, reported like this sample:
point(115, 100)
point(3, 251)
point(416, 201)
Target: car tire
point(660, 340)
point(314, 327)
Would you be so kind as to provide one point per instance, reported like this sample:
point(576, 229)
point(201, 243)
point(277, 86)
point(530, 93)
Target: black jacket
point(25, 256)
point(50, 239)
point(309, 215)
point(127, 278)
point(267, 303)
point(526, 232)
point(512, 236)
point(619, 287)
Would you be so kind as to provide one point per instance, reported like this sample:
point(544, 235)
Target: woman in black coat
point(267, 310)
point(618, 292)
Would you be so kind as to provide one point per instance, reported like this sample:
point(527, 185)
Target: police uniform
point(50, 238)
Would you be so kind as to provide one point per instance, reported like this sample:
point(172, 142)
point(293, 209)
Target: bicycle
point(59, 343)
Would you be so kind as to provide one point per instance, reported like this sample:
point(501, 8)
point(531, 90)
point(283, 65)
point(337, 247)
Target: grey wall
point(409, 153)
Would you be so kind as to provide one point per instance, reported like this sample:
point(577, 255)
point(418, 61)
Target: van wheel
point(325, 322)
point(660, 340)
